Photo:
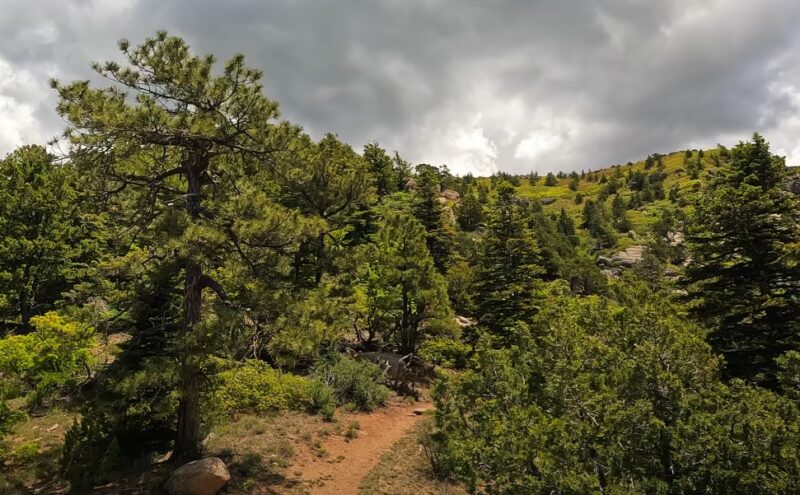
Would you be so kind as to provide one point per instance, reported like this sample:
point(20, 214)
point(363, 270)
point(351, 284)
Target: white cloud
point(478, 85)
point(18, 102)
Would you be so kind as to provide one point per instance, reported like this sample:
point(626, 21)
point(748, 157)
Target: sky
point(478, 85)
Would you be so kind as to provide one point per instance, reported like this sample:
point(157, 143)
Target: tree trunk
point(188, 440)
point(25, 306)
point(188, 436)
point(320, 268)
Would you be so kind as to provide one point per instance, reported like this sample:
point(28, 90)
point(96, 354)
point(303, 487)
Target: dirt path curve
point(346, 463)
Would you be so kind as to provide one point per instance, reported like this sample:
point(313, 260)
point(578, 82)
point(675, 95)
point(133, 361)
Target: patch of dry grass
point(33, 450)
point(404, 470)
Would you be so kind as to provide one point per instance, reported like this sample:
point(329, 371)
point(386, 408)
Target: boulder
point(463, 321)
point(449, 215)
point(622, 260)
point(411, 185)
point(202, 477)
point(628, 257)
point(611, 272)
point(603, 261)
point(548, 201)
point(450, 195)
point(675, 238)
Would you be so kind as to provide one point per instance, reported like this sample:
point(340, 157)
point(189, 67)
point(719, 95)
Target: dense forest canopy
point(191, 257)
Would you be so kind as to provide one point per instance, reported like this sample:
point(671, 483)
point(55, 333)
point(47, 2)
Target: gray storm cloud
point(479, 85)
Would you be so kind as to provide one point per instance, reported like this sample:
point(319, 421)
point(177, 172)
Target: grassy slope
point(642, 219)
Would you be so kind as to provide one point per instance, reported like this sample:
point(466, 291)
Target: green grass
point(642, 220)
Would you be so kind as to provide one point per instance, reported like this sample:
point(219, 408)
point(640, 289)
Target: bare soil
point(339, 464)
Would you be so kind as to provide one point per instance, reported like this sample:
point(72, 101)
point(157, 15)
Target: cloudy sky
point(480, 85)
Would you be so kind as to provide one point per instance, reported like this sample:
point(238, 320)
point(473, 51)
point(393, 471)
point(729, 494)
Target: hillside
point(677, 177)
point(197, 297)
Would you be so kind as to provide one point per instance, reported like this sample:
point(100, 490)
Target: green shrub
point(8, 416)
point(320, 399)
point(254, 386)
point(448, 353)
point(357, 382)
point(54, 357)
point(91, 452)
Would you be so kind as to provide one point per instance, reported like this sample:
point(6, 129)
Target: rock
point(632, 235)
point(202, 477)
point(463, 321)
point(621, 260)
point(793, 185)
point(675, 238)
point(419, 412)
point(603, 261)
point(628, 257)
point(450, 195)
point(547, 201)
point(411, 185)
point(442, 200)
point(611, 272)
point(449, 215)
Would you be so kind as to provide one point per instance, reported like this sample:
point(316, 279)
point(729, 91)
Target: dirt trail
point(346, 464)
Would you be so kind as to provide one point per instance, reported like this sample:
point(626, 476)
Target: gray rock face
point(622, 259)
point(202, 477)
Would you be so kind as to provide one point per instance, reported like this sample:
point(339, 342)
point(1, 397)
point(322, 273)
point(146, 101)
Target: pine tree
point(469, 212)
point(329, 181)
point(596, 222)
point(509, 270)
point(382, 168)
point(47, 237)
point(618, 214)
point(566, 225)
point(400, 293)
point(185, 159)
point(744, 280)
point(429, 212)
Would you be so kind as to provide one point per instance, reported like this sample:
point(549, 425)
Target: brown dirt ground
point(346, 462)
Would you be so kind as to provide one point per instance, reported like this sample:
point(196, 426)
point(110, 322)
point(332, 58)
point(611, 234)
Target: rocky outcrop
point(449, 215)
point(202, 477)
point(548, 201)
point(450, 195)
point(411, 185)
point(622, 259)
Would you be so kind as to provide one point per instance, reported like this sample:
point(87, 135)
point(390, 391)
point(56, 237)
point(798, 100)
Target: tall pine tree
point(507, 280)
point(184, 154)
point(429, 212)
point(744, 279)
